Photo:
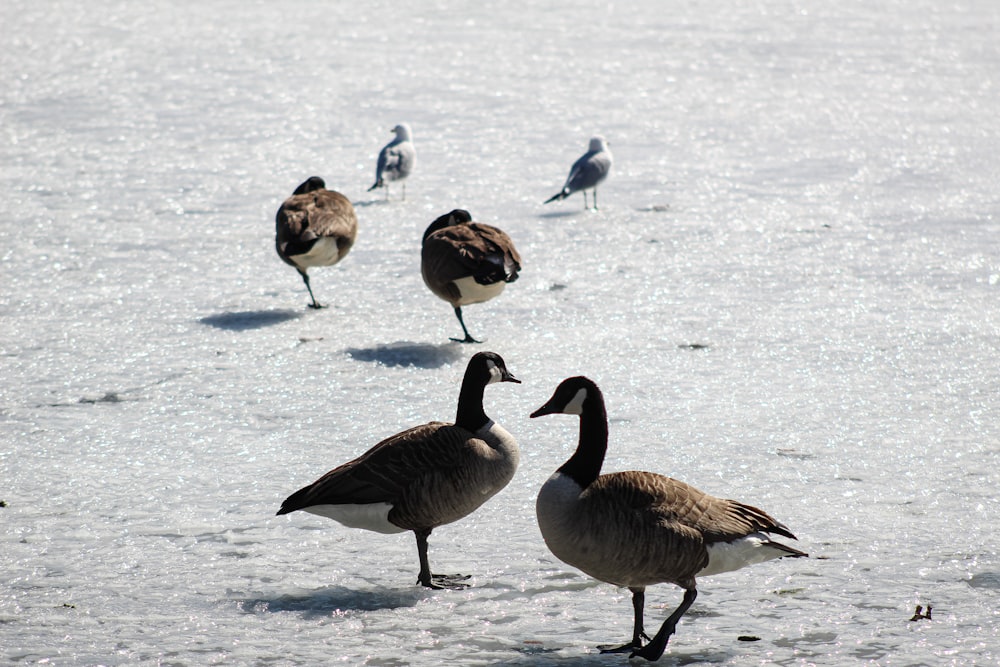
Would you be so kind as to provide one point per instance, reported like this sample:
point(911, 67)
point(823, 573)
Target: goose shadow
point(324, 602)
point(402, 353)
point(249, 319)
point(540, 656)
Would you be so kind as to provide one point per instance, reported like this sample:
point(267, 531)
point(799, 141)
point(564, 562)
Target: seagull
point(396, 160)
point(587, 172)
point(314, 227)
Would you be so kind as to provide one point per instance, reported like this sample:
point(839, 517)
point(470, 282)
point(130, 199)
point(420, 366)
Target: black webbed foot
point(624, 648)
point(451, 582)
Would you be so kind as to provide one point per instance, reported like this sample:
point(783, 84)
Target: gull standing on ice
point(587, 172)
point(466, 262)
point(396, 160)
point(424, 477)
point(636, 529)
point(314, 227)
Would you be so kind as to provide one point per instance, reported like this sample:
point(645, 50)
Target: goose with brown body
point(466, 262)
point(314, 227)
point(636, 529)
point(424, 477)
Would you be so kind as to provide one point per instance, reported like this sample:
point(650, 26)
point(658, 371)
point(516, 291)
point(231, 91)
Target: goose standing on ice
point(314, 227)
point(587, 172)
point(396, 160)
point(466, 262)
point(636, 529)
point(424, 477)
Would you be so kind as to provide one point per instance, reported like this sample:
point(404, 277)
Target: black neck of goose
point(471, 415)
point(585, 464)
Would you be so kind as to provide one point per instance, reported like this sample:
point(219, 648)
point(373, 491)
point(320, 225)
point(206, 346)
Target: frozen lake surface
point(790, 296)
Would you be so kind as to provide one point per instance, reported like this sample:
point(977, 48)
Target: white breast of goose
point(557, 509)
point(599, 539)
point(473, 292)
point(369, 516)
point(500, 468)
point(323, 253)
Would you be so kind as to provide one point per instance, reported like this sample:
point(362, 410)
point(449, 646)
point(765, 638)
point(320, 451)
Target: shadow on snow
point(420, 355)
point(249, 319)
point(333, 600)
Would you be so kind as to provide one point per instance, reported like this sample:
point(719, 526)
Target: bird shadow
point(333, 600)
point(371, 202)
point(561, 214)
point(538, 655)
point(249, 319)
point(402, 353)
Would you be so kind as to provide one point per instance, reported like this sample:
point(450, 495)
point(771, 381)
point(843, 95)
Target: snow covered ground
point(790, 296)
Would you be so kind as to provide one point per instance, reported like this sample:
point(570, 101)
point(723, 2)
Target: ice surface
point(789, 296)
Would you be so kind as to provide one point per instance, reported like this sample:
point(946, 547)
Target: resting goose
point(424, 477)
point(587, 172)
point(314, 227)
point(395, 160)
point(466, 262)
point(636, 529)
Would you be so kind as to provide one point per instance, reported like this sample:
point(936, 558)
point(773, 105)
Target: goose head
point(456, 217)
point(489, 367)
point(311, 185)
point(570, 397)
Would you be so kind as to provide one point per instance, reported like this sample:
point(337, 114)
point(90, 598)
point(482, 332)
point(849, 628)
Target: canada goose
point(587, 172)
point(424, 477)
point(466, 262)
point(636, 529)
point(396, 160)
point(314, 227)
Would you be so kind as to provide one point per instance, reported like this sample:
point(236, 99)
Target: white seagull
point(396, 160)
point(587, 172)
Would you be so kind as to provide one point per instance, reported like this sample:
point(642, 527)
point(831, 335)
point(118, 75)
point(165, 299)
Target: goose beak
point(547, 409)
point(508, 377)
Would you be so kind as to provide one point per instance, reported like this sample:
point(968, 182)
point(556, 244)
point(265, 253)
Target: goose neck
point(585, 464)
point(471, 415)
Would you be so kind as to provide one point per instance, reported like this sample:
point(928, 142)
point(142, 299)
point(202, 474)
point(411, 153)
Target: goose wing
point(389, 470)
point(473, 249)
point(689, 510)
point(303, 219)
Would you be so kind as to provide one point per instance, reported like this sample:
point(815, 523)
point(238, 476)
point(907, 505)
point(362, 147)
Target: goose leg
point(655, 648)
point(435, 581)
point(468, 337)
point(315, 304)
point(638, 601)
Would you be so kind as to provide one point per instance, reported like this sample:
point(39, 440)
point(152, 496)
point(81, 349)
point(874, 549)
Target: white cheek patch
point(575, 406)
point(495, 374)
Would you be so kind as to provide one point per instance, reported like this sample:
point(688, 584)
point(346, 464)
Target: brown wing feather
point(302, 219)
point(467, 249)
point(682, 505)
point(388, 470)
